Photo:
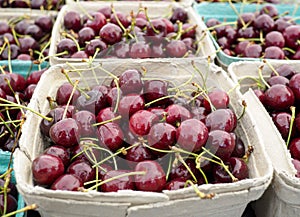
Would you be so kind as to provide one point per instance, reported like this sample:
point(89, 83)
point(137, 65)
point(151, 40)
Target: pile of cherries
point(34, 4)
point(139, 133)
point(15, 90)
point(282, 93)
point(107, 33)
point(25, 39)
point(263, 34)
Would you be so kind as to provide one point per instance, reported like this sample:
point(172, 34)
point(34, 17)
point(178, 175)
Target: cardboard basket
point(164, 9)
point(230, 199)
point(224, 12)
point(282, 197)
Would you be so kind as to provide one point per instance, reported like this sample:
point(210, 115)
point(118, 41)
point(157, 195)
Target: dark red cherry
point(141, 122)
point(72, 21)
point(274, 52)
point(107, 114)
point(87, 150)
point(116, 184)
point(111, 33)
point(35, 76)
point(179, 14)
point(60, 152)
point(271, 10)
point(67, 182)
point(176, 48)
point(291, 35)
point(155, 89)
point(10, 202)
point(130, 104)
point(220, 143)
point(175, 184)
point(239, 149)
point(217, 99)
point(245, 19)
point(66, 46)
point(294, 147)
point(176, 114)
point(45, 23)
point(278, 80)
point(121, 17)
point(295, 86)
point(85, 120)
point(85, 34)
point(221, 119)
point(279, 97)
point(192, 135)
point(253, 51)
point(153, 180)
point(34, 31)
point(179, 170)
point(46, 169)
point(63, 94)
point(20, 82)
point(274, 38)
point(111, 136)
point(137, 154)
point(240, 47)
point(106, 11)
point(6, 81)
point(102, 170)
point(65, 132)
point(264, 22)
point(4, 28)
point(130, 81)
point(162, 136)
point(98, 21)
point(94, 103)
point(82, 170)
point(296, 164)
point(113, 95)
point(285, 70)
point(282, 121)
point(140, 50)
point(93, 45)
point(56, 115)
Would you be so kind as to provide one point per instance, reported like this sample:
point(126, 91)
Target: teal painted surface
point(224, 12)
point(23, 67)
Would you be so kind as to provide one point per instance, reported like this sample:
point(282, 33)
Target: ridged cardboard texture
point(206, 46)
point(230, 198)
point(282, 198)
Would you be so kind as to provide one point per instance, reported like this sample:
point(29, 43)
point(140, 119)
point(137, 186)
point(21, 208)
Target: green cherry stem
point(107, 121)
point(293, 110)
point(70, 98)
point(24, 209)
point(198, 192)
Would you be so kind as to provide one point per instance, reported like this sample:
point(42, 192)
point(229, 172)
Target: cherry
point(14, 52)
point(253, 50)
point(274, 38)
point(124, 183)
point(295, 86)
point(85, 34)
point(248, 32)
point(154, 179)
point(72, 21)
point(247, 18)
point(20, 82)
point(294, 147)
point(35, 31)
point(107, 114)
point(98, 21)
point(192, 135)
point(285, 70)
point(138, 154)
point(220, 143)
point(179, 14)
point(282, 121)
point(65, 132)
point(239, 149)
point(86, 150)
point(141, 122)
point(66, 45)
point(28, 43)
point(140, 50)
point(157, 29)
point(35, 76)
point(111, 136)
point(92, 46)
point(85, 120)
point(46, 169)
point(130, 81)
point(60, 152)
point(219, 99)
point(102, 170)
point(6, 81)
point(113, 95)
point(63, 94)
point(106, 11)
point(130, 104)
point(270, 10)
point(67, 182)
point(82, 170)
point(221, 119)
point(296, 164)
point(38, 4)
point(11, 187)
point(274, 52)
point(45, 23)
point(155, 89)
point(162, 136)
point(264, 22)
point(111, 33)
point(94, 103)
point(21, 27)
point(121, 49)
point(278, 80)
point(10, 202)
point(4, 28)
point(281, 24)
point(240, 47)
point(279, 97)
point(175, 184)
point(56, 115)
point(176, 48)
point(291, 35)
point(180, 170)
point(176, 114)
point(122, 18)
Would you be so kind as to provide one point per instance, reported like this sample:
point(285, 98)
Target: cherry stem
point(15, 36)
point(198, 192)
point(248, 153)
point(120, 23)
point(169, 167)
point(79, 73)
point(84, 10)
point(244, 104)
point(221, 24)
point(200, 48)
point(180, 31)
point(261, 76)
point(293, 110)
point(156, 149)
point(178, 156)
point(73, 39)
point(107, 121)
point(70, 98)
point(198, 166)
point(41, 56)
point(121, 150)
point(91, 60)
point(289, 50)
point(176, 149)
point(24, 209)
point(159, 99)
point(149, 21)
point(203, 78)
point(221, 163)
point(72, 83)
point(11, 104)
point(7, 126)
point(237, 13)
point(9, 54)
point(114, 178)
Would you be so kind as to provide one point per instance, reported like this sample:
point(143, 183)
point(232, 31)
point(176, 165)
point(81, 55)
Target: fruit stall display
point(252, 32)
point(129, 135)
point(125, 32)
point(33, 4)
point(267, 89)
